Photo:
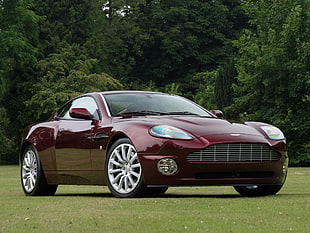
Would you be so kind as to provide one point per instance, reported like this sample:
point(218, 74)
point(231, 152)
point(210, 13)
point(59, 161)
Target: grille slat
point(235, 152)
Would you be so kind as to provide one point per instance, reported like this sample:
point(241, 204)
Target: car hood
point(212, 129)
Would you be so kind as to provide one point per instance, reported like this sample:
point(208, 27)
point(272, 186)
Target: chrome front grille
point(234, 152)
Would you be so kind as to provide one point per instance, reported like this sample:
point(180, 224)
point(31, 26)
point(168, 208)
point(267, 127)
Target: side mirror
point(80, 113)
point(217, 113)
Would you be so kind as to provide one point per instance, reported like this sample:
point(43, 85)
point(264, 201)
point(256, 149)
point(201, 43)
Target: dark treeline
point(249, 58)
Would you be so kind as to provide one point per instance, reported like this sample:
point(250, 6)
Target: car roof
point(130, 92)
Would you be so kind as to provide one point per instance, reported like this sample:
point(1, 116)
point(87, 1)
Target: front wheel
point(258, 190)
point(32, 176)
point(123, 170)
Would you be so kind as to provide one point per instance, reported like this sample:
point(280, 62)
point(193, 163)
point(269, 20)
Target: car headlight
point(273, 132)
point(166, 131)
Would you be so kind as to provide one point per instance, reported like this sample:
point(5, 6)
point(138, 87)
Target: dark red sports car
point(140, 143)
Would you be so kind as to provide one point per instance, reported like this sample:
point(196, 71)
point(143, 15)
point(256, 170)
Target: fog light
point(167, 166)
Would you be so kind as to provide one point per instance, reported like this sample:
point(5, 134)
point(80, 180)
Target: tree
point(113, 37)
point(18, 30)
point(181, 38)
point(273, 70)
point(224, 94)
point(18, 41)
point(7, 144)
point(64, 21)
point(205, 95)
point(62, 76)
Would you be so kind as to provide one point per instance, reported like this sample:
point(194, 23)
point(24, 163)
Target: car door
point(73, 140)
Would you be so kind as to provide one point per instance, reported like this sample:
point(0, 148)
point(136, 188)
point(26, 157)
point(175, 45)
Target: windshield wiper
point(140, 113)
point(154, 113)
point(181, 113)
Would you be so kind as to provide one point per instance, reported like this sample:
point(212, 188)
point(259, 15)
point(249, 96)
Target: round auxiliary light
point(167, 166)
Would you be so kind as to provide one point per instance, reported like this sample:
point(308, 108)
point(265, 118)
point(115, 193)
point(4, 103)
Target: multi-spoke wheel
point(123, 170)
point(258, 190)
point(32, 177)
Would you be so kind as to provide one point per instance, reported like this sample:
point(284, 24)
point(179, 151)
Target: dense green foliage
point(274, 70)
point(247, 57)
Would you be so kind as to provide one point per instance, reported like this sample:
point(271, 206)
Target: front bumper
point(213, 173)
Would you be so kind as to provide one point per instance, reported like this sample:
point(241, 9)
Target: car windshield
point(152, 104)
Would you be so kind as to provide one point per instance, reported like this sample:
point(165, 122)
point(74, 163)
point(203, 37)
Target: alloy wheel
point(29, 171)
point(124, 169)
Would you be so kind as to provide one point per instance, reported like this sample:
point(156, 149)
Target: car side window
point(83, 102)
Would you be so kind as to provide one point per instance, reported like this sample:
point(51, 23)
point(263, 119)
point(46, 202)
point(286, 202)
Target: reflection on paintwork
point(73, 159)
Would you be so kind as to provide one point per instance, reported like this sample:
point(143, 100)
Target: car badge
point(235, 134)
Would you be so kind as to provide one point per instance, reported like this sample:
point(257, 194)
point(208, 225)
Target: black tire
point(32, 176)
point(123, 170)
point(153, 191)
point(258, 190)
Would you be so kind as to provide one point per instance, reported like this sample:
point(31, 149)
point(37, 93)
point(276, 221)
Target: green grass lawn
point(190, 209)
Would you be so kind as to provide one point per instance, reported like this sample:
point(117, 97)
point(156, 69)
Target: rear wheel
point(258, 190)
point(124, 171)
point(32, 176)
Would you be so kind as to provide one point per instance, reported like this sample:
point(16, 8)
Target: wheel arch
point(113, 139)
point(23, 148)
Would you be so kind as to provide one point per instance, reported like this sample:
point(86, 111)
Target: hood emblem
point(235, 134)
